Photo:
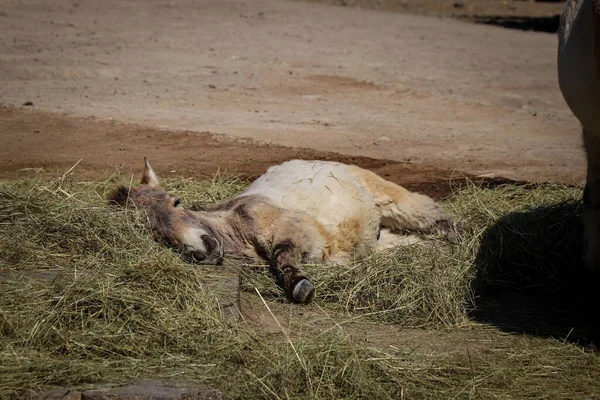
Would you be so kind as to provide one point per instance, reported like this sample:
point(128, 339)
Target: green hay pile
point(87, 298)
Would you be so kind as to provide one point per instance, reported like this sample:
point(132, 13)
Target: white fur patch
point(324, 190)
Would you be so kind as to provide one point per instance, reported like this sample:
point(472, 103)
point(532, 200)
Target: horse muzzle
point(212, 254)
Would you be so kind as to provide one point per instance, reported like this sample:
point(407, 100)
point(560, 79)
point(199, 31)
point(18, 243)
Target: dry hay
point(89, 299)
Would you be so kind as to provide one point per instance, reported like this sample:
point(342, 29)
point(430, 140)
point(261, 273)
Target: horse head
point(169, 221)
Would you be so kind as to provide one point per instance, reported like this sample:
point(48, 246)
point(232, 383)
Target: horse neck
point(236, 237)
point(218, 220)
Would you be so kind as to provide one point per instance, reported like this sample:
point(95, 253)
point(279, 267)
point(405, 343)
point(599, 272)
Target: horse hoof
point(303, 292)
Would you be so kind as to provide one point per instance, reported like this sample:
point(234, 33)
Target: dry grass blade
point(89, 299)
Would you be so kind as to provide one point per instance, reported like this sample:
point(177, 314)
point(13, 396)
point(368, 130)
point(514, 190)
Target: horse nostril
point(202, 257)
point(198, 256)
point(212, 253)
point(210, 243)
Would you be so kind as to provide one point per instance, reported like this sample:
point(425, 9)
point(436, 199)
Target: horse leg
point(591, 199)
point(285, 262)
point(401, 209)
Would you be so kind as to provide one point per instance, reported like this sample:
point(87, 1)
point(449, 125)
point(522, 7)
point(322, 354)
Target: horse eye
point(176, 203)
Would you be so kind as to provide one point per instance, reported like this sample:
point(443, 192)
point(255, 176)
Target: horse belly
point(578, 73)
point(326, 192)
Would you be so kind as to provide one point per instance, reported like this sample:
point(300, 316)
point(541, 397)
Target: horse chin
point(200, 257)
point(199, 247)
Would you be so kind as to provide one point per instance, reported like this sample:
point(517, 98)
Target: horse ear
point(149, 178)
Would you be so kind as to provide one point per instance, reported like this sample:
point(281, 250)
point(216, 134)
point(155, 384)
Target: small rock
point(55, 394)
point(153, 390)
point(28, 103)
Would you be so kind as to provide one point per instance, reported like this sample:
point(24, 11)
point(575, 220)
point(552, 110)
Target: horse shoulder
point(270, 225)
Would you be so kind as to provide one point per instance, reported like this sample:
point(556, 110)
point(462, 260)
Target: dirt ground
point(42, 144)
point(111, 82)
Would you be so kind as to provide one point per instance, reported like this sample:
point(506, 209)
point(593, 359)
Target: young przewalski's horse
point(299, 211)
point(579, 79)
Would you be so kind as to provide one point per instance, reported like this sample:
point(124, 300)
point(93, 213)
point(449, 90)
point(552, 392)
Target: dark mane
point(120, 195)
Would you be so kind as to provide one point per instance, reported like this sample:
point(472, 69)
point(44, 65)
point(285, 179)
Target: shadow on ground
point(530, 278)
point(538, 24)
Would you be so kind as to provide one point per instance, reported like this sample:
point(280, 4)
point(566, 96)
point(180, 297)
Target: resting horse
point(579, 79)
point(297, 212)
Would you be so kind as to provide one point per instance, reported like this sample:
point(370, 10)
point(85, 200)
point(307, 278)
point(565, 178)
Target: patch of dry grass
point(87, 298)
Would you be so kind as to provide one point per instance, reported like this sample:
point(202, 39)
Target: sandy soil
point(431, 91)
point(43, 144)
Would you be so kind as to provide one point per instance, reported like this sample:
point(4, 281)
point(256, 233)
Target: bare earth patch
point(432, 91)
point(35, 143)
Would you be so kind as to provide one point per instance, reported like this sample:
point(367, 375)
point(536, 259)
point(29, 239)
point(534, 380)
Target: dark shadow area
point(530, 278)
point(538, 24)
